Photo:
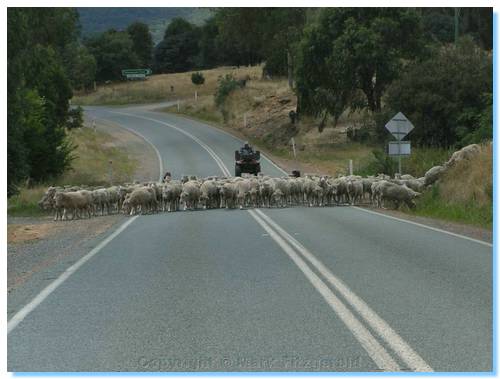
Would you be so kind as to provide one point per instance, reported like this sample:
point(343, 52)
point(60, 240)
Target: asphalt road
point(297, 289)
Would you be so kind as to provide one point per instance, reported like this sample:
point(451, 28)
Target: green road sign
point(136, 71)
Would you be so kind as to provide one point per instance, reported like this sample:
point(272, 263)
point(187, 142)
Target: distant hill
point(97, 20)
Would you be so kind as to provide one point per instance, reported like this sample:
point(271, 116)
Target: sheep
point(466, 153)
point(399, 194)
point(377, 189)
point(278, 198)
point(243, 193)
point(209, 194)
point(114, 197)
point(432, 175)
point(266, 193)
point(254, 191)
point(171, 194)
point(48, 201)
point(417, 185)
point(284, 186)
point(367, 186)
point(100, 201)
point(190, 195)
point(354, 190)
point(406, 177)
point(342, 194)
point(140, 198)
point(228, 194)
point(73, 201)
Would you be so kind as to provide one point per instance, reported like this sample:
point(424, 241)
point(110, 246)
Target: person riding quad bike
point(247, 160)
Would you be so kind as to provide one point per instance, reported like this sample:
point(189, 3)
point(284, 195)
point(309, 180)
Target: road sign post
point(399, 126)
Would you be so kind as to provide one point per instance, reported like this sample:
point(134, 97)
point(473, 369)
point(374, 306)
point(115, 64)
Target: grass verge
point(91, 166)
point(464, 194)
point(164, 87)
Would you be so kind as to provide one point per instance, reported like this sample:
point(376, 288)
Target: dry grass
point(17, 233)
point(91, 167)
point(464, 194)
point(93, 153)
point(471, 180)
point(158, 87)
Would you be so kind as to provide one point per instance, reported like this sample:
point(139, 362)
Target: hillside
point(96, 20)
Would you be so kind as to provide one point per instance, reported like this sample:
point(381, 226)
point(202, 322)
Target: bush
point(197, 78)
point(226, 84)
point(75, 118)
point(445, 96)
point(381, 163)
point(362, 134)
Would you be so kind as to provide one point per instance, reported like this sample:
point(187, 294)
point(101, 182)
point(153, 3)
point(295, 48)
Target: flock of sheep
point(191, 193)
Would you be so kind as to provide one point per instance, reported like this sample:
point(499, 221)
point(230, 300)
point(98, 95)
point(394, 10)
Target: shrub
point(226, 84)
point(197, 78)
point(75, 118)
point(381, 163)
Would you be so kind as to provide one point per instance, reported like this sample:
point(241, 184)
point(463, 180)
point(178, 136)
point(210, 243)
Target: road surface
point(297, 289)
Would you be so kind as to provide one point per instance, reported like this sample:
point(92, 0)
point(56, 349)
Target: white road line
point(377, 352)
point(217, 159)
point(237, 139)
point(31, 306)
point(425, 226)
point(362, 209)
point(374, 349)
point(158, 155)
point(391, 337)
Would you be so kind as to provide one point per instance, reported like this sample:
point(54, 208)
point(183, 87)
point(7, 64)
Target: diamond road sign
point(399, 126)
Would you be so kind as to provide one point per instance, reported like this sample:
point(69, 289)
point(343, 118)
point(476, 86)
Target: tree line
point(44, 62)
point(433, 64)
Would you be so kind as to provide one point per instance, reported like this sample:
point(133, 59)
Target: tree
point(142, 42)
point(282, 30)
point(240, 33)
point(113, 52)
point(351, 52)
point(178, 49)
point(38, 91)
point(83, 68)
point(209, 54)
point(447, 96)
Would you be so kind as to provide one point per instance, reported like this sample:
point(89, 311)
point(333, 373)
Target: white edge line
point(383, 329)
point(38, 299)
point(362, 209)
point(374, 349)
point(160, 178)
point(425, 226)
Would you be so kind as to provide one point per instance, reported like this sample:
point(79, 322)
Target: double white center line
point(380, 355)
point(371, 331)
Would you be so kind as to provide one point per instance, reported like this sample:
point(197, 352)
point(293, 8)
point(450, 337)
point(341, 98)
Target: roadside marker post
point(178, 105)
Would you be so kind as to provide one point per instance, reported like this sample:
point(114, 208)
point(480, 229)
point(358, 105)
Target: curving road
point(297, 289)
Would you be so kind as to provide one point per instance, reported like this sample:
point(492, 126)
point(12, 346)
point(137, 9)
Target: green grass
point(91, 167)
point(25, 203)
point(432, 204)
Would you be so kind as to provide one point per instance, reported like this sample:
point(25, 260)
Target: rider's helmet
point(246, 145)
